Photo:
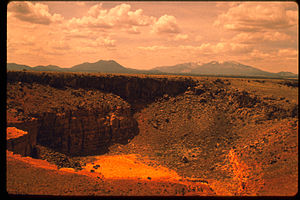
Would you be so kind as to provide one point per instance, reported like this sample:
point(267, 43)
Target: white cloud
point(133, 30)
point(104, 41)
point(166, 24)
point(217, 48)
point(118, 16)
point(181, 37)
point(95, 10)
point(293, 53)
point(253, 16)
point(154, 48)
point(262, 36)
point(36, 13)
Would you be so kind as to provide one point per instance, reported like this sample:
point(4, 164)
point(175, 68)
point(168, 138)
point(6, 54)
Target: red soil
point(38, 177)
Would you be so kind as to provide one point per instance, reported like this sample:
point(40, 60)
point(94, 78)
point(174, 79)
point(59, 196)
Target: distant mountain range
point(227, 68)
point(214, 68)
point(103, 66)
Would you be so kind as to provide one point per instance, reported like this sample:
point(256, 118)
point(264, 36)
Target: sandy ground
point(114, 176)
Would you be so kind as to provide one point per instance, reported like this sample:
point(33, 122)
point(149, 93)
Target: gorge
point(230, 136)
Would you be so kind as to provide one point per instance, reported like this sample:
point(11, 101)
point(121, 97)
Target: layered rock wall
point(78, 134)
point(25, 143)
point(74, 116)
point(130, 88)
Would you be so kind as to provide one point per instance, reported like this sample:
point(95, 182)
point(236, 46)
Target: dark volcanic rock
point(130, 88)
point(245, 100)
point(24, 144)
point(73, 122)
point(59, 159)
point(78, 114)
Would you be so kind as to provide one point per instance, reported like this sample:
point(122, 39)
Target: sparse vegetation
point(247, 180)
point(234, 132)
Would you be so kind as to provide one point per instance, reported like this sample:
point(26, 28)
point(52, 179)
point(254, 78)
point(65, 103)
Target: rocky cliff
point(22, 136)
point(72, 121)
point(82, 114)
point(85, 133)
point(129, 87)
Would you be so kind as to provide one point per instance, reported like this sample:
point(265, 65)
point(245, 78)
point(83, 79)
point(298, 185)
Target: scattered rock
point(184, 159)
point(273, 161)
point(96, 166)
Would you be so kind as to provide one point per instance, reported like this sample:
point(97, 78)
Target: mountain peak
point(107, 61)
point(213, 62)
point(220, 68)
point(233, 62)
point(106, 66)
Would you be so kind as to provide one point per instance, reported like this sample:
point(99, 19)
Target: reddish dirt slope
point(37, 177)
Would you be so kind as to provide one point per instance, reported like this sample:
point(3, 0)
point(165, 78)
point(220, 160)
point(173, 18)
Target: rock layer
point(86, 133)
point(25, 143)
point(70, 121)
point(130, 88)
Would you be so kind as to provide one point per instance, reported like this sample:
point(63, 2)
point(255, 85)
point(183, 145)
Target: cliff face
point(72, 121)
point(85, 133)
point(81, 114)
point(130, 88)
point(22, 144)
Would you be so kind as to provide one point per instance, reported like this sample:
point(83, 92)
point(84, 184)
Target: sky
point(144, 35)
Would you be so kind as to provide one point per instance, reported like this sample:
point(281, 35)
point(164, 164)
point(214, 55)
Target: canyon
point(81, 120)
point(207, 129)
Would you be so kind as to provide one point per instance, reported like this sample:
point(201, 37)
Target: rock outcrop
point(74, 122)
point(24, 137)
point(85, 133)
point(130, 88)
point(81, 114)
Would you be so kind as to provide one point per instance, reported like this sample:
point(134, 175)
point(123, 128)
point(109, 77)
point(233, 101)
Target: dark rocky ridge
point(133, 89)
point(78, 114)
point(73, 122)
point(191, 132)
point(24, 144)
point(84, 114)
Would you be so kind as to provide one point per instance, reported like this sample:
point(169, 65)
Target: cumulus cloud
point(118, 16)
point(217, 48)
point(251, 17)
point(166, 24)
point(181, 37)
point(204, 46)
point(261, 55)
point(124, 18)
point(154, 48)
point(276, 36)
point(80, 33)
point(35, 13)
point(95, 10)
point(104, 41)
point(271, 36)
point(288, 53)
point(108, 42)
point(133, 30)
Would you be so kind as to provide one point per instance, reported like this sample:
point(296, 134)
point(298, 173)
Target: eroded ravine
point(185, 138)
